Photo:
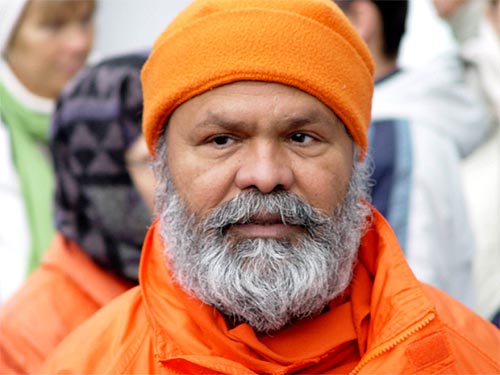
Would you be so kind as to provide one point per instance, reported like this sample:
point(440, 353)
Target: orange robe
point(66, 289)
point(387, 322)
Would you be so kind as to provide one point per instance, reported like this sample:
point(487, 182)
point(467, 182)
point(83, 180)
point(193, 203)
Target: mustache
point(251, 205)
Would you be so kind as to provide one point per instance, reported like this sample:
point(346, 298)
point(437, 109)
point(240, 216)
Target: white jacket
point(14, 231)
point(446, 122)
point(480, 49)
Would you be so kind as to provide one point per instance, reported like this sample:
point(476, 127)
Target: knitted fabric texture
point(307, 44)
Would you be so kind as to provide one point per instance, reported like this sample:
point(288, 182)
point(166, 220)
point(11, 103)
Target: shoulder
point(23, 342)
point(107, 341)
point(473, 340)
point(49, 295)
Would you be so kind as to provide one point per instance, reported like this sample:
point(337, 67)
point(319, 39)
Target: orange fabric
point(396, 324)
point(263, 354)
point(302, 43)
point(63, 292)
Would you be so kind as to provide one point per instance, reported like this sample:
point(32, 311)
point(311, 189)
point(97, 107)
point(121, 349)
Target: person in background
point(265, 256)
point(43, 44)
point(424, 121)
point(101, 217)
point(476, 27)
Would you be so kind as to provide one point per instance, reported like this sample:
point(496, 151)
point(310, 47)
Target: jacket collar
point(386, 300)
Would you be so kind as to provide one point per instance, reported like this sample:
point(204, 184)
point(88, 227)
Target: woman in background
point(43, 44)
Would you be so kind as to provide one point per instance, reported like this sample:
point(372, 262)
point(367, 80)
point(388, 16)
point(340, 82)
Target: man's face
point(265, 136)
point(258, 209)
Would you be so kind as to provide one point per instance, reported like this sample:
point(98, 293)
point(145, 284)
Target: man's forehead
point(229, 102)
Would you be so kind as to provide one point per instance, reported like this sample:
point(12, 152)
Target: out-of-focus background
point(134, 24)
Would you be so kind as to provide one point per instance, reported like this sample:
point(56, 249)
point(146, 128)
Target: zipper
point(378, 351)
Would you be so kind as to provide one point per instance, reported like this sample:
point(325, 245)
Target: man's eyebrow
point(310, 117)
point(212, 118)
point(313, 116)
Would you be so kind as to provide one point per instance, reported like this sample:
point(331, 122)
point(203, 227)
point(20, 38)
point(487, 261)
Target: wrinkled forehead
point(254, 102)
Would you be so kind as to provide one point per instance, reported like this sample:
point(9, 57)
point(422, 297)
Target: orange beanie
point(308, 44)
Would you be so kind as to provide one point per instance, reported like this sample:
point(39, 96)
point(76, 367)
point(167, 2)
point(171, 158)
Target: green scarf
point(28, 131)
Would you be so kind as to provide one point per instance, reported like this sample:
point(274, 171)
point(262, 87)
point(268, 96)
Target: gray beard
point(265, 282)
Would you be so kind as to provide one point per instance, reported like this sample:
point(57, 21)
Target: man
point(265, 257)
point(424, 120)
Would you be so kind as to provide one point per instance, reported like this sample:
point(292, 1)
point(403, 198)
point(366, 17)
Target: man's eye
point(222, 140)
point(301, 138)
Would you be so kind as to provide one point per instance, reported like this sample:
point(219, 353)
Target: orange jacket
point(64, 291)
point(396, 324)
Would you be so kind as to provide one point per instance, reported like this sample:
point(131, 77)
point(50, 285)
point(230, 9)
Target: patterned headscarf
point(97, 119)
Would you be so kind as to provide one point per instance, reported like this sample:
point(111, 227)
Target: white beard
point(264, 282)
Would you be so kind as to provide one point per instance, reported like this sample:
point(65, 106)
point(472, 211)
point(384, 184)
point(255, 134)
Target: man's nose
point(265, 167)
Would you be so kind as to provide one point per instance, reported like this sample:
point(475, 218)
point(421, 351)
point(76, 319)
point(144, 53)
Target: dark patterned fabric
point(97, 118)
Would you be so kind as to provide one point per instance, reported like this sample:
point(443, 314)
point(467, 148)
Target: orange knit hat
point(308, 44)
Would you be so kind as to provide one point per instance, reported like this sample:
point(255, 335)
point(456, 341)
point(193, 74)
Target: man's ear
point(366, 18)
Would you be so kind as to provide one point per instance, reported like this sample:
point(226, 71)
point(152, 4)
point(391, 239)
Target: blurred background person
point(424, 121)
point(476, 27)
point(101, 218)
point(43, 44)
